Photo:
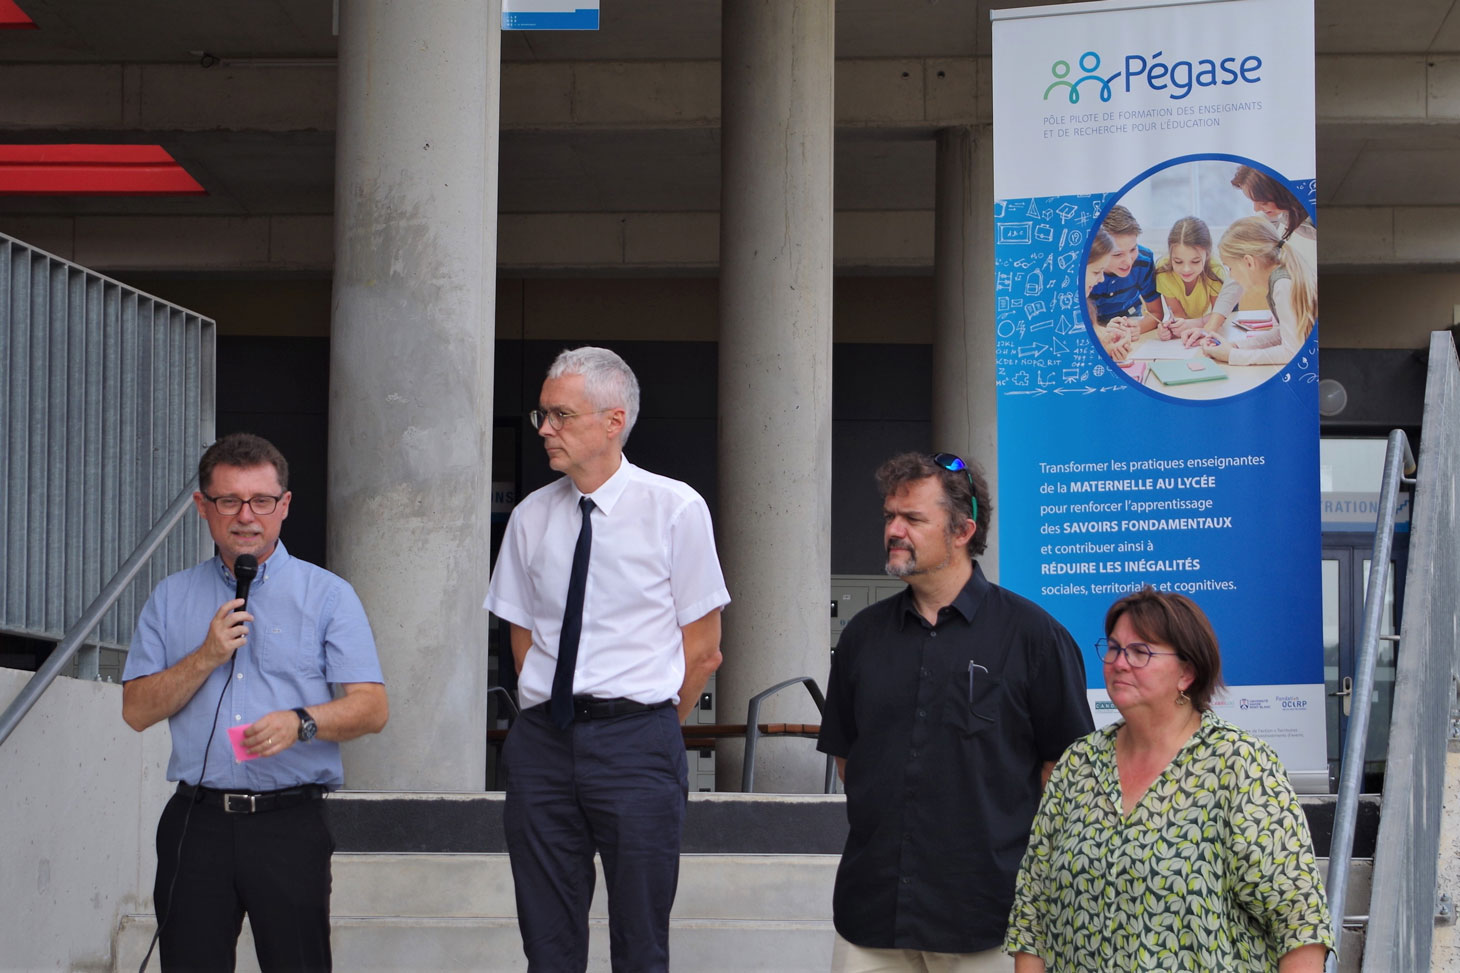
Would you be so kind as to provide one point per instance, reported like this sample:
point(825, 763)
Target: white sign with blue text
point(549, 14)
point(1157, 332)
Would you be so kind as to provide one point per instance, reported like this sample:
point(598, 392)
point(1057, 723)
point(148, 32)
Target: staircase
point(422, 882)
point(107, 398)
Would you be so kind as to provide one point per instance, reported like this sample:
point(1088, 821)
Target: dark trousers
point(274, 865)
point(617, 786)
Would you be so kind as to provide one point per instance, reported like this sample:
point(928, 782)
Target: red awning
point(13, 18)
point(93, 170)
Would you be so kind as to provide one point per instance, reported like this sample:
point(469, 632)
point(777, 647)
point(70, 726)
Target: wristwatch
point(307, 727)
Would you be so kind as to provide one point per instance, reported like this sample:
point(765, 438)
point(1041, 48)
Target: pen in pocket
point(972, 666)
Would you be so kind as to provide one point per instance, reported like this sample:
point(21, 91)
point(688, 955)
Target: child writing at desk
point(1125, 297)
point(1115, 341)
point(1262, 264)
point(1191, 285)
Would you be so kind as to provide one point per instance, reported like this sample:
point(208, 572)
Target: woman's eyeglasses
point(1137, 654)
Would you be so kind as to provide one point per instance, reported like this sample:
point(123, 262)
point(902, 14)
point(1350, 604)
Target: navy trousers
point(616, 786)
point(275, 866)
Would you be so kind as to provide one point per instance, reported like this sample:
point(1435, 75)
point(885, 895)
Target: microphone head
point(246, 568)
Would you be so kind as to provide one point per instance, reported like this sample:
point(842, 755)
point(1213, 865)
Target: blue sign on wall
point(549, 14)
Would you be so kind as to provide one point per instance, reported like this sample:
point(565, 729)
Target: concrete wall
point(80, 798)
point(1396, 310)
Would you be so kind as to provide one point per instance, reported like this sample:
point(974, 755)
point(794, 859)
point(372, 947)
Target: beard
point(911, 567)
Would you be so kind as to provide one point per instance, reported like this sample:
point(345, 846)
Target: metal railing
point(1406, 898)
point(107, 397)
point(1398, 467)
point(753, 734)
point(60, 657)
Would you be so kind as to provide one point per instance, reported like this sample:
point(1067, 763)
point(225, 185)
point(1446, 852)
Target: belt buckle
point(230, 809)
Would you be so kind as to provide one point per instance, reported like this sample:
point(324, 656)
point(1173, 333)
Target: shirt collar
point(612, 488)
point(275, 559)
point(966, 603)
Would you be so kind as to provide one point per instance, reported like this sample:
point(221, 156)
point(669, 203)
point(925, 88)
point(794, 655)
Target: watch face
point(307, 727)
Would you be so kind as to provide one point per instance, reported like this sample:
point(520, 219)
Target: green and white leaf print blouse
point(1212, 870)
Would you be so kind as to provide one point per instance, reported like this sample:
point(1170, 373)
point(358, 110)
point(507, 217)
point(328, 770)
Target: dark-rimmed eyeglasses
point(953, 464)
point(556, 417)
point(1137, 654)
point(261, 504)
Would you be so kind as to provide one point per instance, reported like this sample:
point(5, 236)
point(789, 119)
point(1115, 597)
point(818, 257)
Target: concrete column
point(965, 412)
point(411, 372)
point(777, 64)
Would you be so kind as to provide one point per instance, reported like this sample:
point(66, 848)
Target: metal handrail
point(61, 656)
point(752, 730)
point(1399, 469)
point(507, 696)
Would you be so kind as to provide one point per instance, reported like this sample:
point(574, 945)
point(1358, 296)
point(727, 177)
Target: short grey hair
point(607, 378)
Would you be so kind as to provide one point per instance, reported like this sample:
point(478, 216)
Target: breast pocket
point(285, 649)
point(974, 708)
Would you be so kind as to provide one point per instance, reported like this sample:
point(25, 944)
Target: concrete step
point(732, 887)
point(1351, 950)
point(456, 912)
point(740, 887)
point(1360, 883)
point(405, 945)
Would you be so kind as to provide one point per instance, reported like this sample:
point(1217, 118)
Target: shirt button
point(906, 880)
point(932, 633)
point(237, 717)
point(239, 676)
point(922, 713)
point(913, 754)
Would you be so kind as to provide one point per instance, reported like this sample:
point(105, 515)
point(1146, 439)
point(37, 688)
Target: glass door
point(1345, 572)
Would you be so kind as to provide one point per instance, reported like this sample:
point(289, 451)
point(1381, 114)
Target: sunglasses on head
point(955, 463)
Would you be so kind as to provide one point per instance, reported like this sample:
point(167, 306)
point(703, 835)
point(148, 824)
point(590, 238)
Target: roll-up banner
point(1158, 336)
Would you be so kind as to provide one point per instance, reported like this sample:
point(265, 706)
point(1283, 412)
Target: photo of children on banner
point(1116, 341)
point(1204, 321)
point(1126, 299)
point(1288, 216)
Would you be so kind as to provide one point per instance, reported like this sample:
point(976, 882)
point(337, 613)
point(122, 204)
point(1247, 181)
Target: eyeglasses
point(953, 464)
point(1137, 654)
point(262, 504)
point(556, 417)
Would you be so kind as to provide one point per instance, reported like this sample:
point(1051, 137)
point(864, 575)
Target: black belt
point(252, 802)
point(587, 708)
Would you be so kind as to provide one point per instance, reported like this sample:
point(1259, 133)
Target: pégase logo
point(1179, 78)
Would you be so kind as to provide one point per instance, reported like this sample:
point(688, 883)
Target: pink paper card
point(235, 736)
point(1135, 369)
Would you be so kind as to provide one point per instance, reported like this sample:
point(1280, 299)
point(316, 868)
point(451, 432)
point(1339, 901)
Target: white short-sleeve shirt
point(653, 568)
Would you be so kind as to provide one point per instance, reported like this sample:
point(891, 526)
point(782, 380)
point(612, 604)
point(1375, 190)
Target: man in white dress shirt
point(610, 582)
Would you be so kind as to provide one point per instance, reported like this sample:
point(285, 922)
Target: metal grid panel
point(1409, 856)
point(107, 399)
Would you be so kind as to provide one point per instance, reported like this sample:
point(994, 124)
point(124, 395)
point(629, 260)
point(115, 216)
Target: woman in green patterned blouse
point(1170, 840)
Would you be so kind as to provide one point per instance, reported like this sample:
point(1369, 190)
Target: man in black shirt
point(948, 705)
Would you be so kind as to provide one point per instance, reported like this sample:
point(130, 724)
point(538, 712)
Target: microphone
point(245, 569)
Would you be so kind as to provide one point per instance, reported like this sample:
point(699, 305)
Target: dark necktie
point(561, 707)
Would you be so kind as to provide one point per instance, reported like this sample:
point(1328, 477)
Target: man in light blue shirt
point(257, 841)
